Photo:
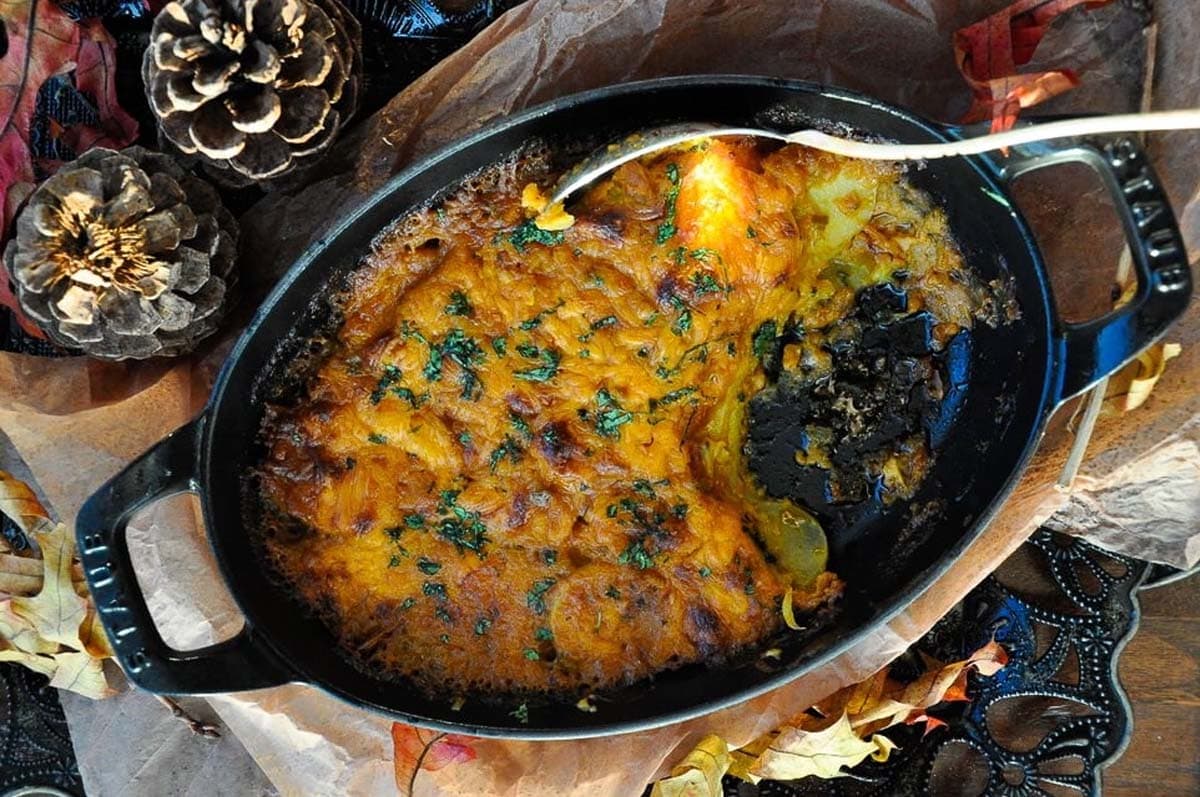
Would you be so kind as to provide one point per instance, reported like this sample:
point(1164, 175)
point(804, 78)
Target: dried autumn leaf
point(989, 52)
point(796, 753)
point(18, 502)
point(699, 773)
point(414, 751)
point(1129, 388)
point(53, 629)
point(43, 42)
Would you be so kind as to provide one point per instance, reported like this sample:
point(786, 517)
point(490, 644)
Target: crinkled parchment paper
point(75, 423)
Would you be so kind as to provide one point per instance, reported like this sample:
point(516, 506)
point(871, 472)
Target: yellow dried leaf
point(699, 774)
point(797, 753)
point(80, 673)
point(52, 628)
point(56, 611)
point(19, 502)
point(46, 665)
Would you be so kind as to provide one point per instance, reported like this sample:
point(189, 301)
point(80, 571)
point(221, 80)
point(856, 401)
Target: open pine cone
point(256, 86)
point(124, 255)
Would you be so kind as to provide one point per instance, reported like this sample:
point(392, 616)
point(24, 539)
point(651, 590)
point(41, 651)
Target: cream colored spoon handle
point(1186, 119)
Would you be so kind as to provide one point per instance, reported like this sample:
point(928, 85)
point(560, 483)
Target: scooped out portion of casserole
point(526, 463)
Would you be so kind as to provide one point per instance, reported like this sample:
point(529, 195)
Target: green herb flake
point(443, 615)
point(750, 233)
point(529, 233)
point(611, 511)
point(509, 448)
point(528, 350)
point(636, 554)
point(445, 639)
point(461, 526)
point(549, 556)
point(666, 229)
point(482, 625)
point(531, 654)
point(459, 304)
point(584, 354)
point(544, 372)
point(391, 375)
point(394, 561)
point(543, 634)
point(464, 437)
point(377, 439)
point(705, 572)
point(414, 521)
point(461, 349)
point(434, 589)
point(520, 714)
point(535, 598)
point(680, 511)
point(408, 603)
point(500, 345)
point(704, 283)
point(602, 323)
point(613, 592)
point(611, 416)
point(536, 321)
point(350, 463)
point(763, 338)
point(520, 425)
point(428, 566)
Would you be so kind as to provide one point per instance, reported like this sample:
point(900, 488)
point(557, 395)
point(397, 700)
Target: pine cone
point(124, 255)
point(257, 86)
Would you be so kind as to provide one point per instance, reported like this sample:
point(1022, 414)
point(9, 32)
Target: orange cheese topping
point(521, 469)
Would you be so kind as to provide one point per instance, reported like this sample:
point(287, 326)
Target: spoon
point(607, 158)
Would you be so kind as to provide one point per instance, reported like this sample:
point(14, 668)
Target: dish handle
point(1090, 350)
point(233, 665)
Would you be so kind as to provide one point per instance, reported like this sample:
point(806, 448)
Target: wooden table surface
point(1160, 669)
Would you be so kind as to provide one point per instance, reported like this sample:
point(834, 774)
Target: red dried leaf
point(414, 751)
point(989, 52)
point(44, 42)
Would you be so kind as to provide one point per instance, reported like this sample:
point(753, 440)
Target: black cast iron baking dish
point(1017, 374)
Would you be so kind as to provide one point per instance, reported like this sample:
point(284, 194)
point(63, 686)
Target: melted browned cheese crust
point(521, 468)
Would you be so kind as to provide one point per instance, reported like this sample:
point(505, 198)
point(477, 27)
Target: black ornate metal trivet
point(1051, 720)
point(35, 746)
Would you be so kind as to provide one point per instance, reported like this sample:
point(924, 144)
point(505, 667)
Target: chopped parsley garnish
point(445, 639)
point(500, 345)
point(520, 425)
point(376, 438)
point(611, 416)
point(536, 321)
point(646, 487)
point(520, 713)
point(461, 349)
point(394, 533)
point(535, 598)
point(434, 589)
point(531, 654)
point(509, 448)
point(460, 525)
point(529, 233)
point(611, 510)
point(668, 399)
point(704, 283)
point(544, 372)
point(585, 354)
point(750, 233)
point(482, 625)
point(350, 463)
point(428, 566)
point(415, 521)
point(464, 437)
point(613, 592)
point(394, 561)
point(543, 634)
point(459, 304)
point(601, 323)
point(764, 336)
point(666, 229)
point(637, 555)
point(408, 603)
point(683, 321)
point(413, 399)
point(680, 511)
point(549, 556)
point(705, 572)
point(443, 615)
point(528, 350)
point(391, 375)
